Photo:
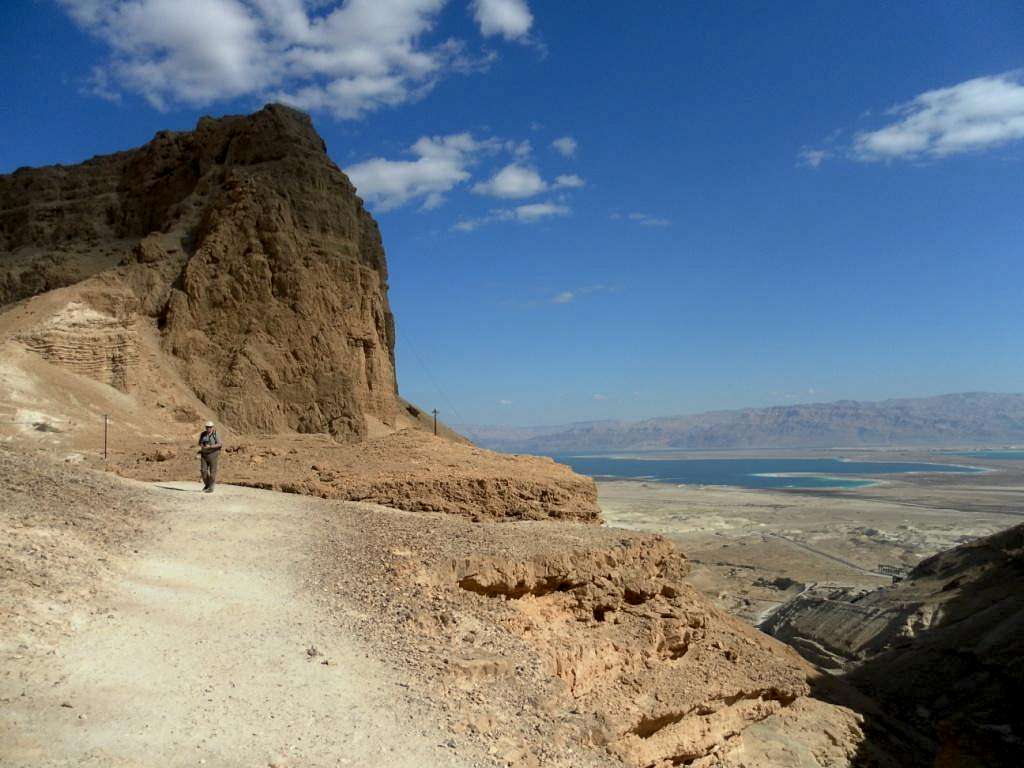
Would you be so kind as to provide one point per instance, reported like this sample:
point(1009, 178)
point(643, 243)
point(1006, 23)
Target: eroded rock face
point(671, 682)
point(941, 650)
point(249, 249)
point(586, 640)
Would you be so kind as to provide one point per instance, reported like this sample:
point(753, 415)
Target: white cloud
point(433, 200)
point(518, 181)
point(569, 181)
point(565, 146)
point(599, 396)
point(348, 58)
point(512, 181)
point(812, 158)
point(509, 18)
point(215, 50)
point(468, 225)
point(973, 115)
point(537, 211)
point(522, 149)
point(441, 163)
point(525, 214)
point(505, 402)
point(646, 220)
point(566, 297)
point(98, 84)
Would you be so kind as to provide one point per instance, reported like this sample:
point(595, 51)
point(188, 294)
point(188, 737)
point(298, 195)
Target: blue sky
point(596, 210)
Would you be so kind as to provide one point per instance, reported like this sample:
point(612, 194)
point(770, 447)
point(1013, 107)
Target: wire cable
point(433, 381)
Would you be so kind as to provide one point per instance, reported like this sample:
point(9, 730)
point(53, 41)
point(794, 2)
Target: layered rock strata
point(100, 345)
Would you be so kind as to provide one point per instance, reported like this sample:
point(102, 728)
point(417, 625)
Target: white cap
point(209, 423)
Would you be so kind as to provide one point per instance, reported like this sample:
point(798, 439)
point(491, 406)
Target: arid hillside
point(943, 647)
point(232, 273)
point(144, 622)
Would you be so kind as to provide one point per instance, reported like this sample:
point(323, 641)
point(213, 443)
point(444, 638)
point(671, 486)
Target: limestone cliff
point(248, 249)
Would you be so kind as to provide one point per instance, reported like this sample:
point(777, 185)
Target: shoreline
point(824, 479)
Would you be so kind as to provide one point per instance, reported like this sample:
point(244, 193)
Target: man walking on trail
point(209, 452)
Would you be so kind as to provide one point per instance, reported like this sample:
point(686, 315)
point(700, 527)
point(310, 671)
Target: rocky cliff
point(942, 649)
point(245, 247)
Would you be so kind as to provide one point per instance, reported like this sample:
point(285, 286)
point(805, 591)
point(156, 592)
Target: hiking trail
point(214, 654)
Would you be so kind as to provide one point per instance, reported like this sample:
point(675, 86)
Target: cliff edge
point(941, 650)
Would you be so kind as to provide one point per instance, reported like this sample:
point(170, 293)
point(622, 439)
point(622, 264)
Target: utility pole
point(105, 420)
point(435, 420)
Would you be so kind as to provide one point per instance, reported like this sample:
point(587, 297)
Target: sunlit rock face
point(245, 245)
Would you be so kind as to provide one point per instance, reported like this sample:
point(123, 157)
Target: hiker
point(209, 452)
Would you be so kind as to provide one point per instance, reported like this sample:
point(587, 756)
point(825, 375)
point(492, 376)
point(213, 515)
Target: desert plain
point(753, 549)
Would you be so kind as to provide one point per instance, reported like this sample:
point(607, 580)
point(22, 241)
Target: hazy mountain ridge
point(970, 417)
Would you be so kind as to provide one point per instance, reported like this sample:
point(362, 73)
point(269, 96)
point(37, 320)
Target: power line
point(430, 376)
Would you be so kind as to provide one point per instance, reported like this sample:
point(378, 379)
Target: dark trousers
point(208, 468)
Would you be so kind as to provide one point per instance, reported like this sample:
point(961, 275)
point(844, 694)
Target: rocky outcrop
point(588, 643)
point(626, 636)
point(231, 272)
point(410, 470)
point(60, 224)
point(248, 249)
point(941, 649)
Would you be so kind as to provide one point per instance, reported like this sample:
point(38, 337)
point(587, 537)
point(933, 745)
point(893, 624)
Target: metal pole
point(435, 420)
point(105, 419)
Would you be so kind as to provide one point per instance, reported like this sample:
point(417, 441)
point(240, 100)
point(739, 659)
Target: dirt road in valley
point(215, 653)
point(827, 556)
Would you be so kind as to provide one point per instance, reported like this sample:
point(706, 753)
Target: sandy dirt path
point(204, 659)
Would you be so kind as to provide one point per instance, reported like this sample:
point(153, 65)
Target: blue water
point(750, 473)
point(1013, 455)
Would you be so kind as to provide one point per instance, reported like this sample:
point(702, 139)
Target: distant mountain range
point(957, 419)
